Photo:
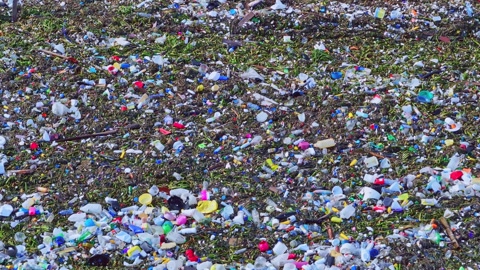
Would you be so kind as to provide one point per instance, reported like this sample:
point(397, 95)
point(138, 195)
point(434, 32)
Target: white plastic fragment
point(92, 208)
point(3, 141)
point(278, 5)
point(161, 40)
point(6, 210)
point(251, 74)
point(59, 109)
point(369, 193)
point(262, 117)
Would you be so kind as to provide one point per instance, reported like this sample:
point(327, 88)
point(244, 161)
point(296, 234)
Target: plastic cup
point(153, 190)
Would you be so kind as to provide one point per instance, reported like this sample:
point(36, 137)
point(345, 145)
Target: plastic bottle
point(204, 195)
point(245, 145)
point(168, 120)
point(351, 124)
point(217, 150)
point(256, 140)
point(177, 176)
point(255, 217)
point(445, 175)
point(271, 203)
point(285, 216)
point(252, 106)
point(371, 162)
point(347, 212)
point(429, 202)
point(325, 143)
point(160, 147)
point(239, 219)
point(454, 162)
point(361, 114)
point(365, 251)
point(280, 260)
point(245, 211)
point(468, 9)
point(92, 208)
point(267, 170)
point(279, 248)
point(385, 163)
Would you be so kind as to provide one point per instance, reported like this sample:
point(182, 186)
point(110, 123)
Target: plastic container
point(92, 208)
point(385, 163)
point(371, 162)
point(347, 212)
point(454, 162)
point(325, 143)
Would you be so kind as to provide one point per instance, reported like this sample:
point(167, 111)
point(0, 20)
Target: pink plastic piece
point(304, 145)
point(181, 220)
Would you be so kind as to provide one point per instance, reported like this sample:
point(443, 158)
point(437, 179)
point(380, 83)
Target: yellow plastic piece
point(344, 237)
point(207, 207)
point(336, 219)
point(271, 164)
point(133, 250)
point(145, 199)
point(403, 196)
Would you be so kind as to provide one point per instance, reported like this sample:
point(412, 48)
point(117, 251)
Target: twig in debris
point(446, 226)
point(70, 59)
point(105, 133)
point(247, 18)
point(14, 10)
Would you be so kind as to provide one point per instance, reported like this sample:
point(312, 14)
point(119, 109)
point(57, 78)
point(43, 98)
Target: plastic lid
point(145, 199)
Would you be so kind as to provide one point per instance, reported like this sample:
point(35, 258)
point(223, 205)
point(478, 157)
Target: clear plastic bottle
point(271, 203)
point(227, 211)
point(245, 211)
point(468, 9)
point(454, 162)
point(253, 106)
point(255, 217)
point(279, 248)
point(347, 212)
point(365, 251)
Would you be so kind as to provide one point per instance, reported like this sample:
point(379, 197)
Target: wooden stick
point(53, 54)
point(68, 58)
point(376, 155)
point(86, 136)
point(105, 133)
point(14, 10)
point(247, 18)
point(27, 171)
point(446, 226)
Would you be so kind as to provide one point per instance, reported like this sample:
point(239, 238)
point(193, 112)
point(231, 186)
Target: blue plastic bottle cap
point(373, 253)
